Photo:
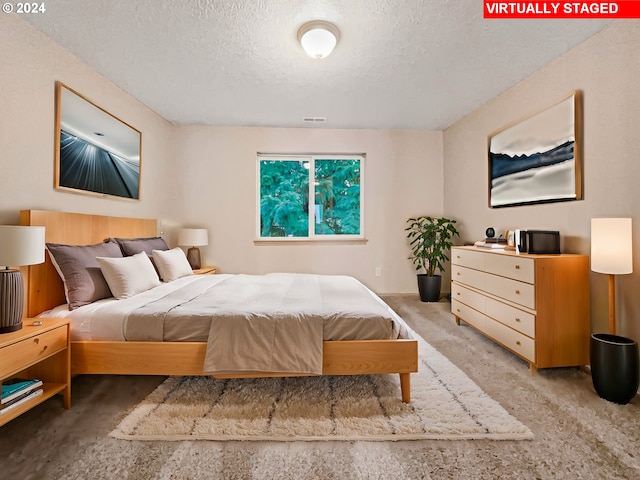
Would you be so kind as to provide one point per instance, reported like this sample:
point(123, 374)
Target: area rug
point(445, 404)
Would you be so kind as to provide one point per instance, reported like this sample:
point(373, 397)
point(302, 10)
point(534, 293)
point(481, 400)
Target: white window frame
point(311, 231)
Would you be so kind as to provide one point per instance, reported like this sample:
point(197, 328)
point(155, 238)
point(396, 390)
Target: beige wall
point(30, 63)
point(206, 176)
point(403, 177)
point(606, 69)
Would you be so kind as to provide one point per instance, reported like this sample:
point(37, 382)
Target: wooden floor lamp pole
point(612, 304)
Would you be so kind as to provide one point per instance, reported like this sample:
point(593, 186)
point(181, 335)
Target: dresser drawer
point(518, 292)
point(467, 258)
point(468, 297)
point(514, 341)
point(468, 276)
point(510, 266)
point(17, 356)
point(468, 314)
point(515, 318)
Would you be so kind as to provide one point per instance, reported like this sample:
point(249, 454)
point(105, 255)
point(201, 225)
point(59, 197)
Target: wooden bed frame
point(44, 290)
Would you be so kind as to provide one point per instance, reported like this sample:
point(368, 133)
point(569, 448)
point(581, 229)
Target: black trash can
point(614, 367)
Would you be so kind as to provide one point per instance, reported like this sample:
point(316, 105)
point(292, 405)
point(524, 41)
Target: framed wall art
point(538, 159)
point(95, 153)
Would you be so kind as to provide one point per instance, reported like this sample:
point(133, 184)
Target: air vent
point(314, 119)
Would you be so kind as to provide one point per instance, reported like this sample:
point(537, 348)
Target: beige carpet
point(577, 435)
point(445, 404)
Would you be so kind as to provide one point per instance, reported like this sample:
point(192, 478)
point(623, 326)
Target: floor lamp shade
point(193, 238)
point(19, 246)
point(611, 248)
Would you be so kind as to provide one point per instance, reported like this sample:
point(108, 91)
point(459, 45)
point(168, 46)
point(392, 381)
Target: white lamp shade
point(193, 237)
point(318, 38)
point(611, 245)
point(21, 245)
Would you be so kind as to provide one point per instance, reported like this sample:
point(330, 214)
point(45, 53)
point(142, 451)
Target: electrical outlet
point(378, 271)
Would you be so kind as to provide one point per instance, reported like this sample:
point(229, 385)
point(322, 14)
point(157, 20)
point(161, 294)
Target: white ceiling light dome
point(318, 38)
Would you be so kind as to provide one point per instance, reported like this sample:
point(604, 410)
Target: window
point(334, 185)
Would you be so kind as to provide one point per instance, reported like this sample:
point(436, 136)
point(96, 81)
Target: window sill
point(307, 241)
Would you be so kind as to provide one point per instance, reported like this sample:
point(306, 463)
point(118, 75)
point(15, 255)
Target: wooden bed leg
point(405, 387)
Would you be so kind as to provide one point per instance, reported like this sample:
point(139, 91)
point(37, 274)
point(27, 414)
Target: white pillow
point(128, 276)
point(171, 264)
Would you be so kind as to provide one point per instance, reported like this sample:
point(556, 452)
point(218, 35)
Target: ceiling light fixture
point(318, 38)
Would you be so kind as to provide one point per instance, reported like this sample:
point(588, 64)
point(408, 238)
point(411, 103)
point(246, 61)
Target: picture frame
point(96, 153)
point(538, 159)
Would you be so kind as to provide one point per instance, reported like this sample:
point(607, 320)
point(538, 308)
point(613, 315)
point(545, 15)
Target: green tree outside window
point(286, 186)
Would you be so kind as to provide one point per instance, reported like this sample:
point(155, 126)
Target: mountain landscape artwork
point(537, 160)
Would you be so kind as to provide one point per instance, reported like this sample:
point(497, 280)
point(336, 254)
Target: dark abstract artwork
point(537, 160)
point(85, 166)
point(96, 152)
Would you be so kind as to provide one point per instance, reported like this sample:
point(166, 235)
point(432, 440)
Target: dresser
point(536, 306)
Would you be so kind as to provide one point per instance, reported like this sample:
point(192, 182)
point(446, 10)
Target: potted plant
point(430, 240)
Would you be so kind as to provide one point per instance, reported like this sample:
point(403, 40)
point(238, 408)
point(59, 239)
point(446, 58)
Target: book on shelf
point(483, 244)
point(494, 246)
point(495, 240)
point(16, 387)
point(25, 397)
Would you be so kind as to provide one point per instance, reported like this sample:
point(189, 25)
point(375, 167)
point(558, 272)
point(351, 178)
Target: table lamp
point(611, 253)
point(193, 238)
point(19, 246)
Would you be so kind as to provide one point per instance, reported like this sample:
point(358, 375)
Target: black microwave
point(538, 241)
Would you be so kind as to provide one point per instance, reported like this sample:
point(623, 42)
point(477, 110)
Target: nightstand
point(41, 352)
point(205, 271)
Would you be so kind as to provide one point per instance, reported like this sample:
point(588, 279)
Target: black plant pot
point(614, 367)
point(429, 287)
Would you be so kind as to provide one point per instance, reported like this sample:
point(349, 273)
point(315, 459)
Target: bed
point(45, 291)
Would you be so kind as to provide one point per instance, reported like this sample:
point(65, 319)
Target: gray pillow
point(80, 271)
point(131, 246)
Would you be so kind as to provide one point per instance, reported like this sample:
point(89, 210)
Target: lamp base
point(11, 300)
point(193, 256)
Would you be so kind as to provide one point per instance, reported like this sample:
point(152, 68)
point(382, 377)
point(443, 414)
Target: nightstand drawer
point(22, 354)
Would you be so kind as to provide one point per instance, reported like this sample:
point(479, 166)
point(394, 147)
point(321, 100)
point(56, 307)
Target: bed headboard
point(44, 288)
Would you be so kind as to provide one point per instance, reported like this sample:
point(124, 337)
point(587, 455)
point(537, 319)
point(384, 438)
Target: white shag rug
point(445, 404)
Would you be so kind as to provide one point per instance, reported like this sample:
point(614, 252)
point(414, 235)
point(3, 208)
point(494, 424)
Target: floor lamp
point(611, 253)
point(615, 370)
point(19, 246)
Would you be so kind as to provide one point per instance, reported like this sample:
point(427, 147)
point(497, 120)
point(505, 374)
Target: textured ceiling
point(416, 64)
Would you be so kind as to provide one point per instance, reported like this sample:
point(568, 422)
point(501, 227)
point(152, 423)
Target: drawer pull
point(518, 342)
point(517, 320)
point(458, 293)
point(517, 267)
point(517, 292)
point(458, 274)
point(458, 310)
point(457, 256)
point(36, 340)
